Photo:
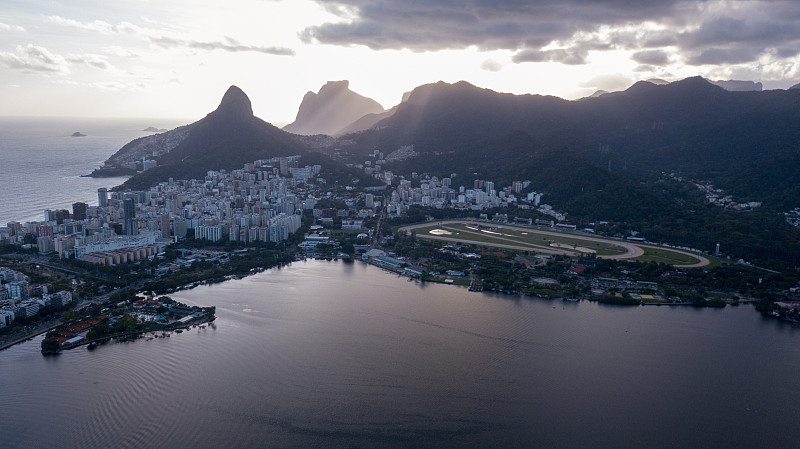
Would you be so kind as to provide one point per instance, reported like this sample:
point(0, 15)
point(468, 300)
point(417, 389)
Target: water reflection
point(327, 354)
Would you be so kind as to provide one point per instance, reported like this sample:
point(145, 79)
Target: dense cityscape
point(269, 201)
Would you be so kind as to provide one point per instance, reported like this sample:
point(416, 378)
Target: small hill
point(330, 110)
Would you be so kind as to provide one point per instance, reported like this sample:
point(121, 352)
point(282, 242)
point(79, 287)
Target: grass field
point(537, 240)
point(528, 238)
point(666, 256)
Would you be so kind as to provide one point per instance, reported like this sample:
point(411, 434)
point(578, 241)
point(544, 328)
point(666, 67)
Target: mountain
point(365, 122)
point(334, 107)
point(226, 138)
point(598, 93)
point(370, 120)
point(604, 158)
point(570, 180)
point(690, 126)
point(738, 86)
point(146, 147)
point(796, 86)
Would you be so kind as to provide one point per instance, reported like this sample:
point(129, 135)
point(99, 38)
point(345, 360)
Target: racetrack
point(632, 250)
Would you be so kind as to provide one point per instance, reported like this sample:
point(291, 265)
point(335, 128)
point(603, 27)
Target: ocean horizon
point(44, 167)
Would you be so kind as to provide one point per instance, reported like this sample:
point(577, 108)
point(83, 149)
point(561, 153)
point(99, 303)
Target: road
point(38, 330)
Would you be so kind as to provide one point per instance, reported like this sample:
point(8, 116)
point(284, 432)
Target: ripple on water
point(348, 356)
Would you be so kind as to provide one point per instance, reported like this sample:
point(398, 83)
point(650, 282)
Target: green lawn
point(666, 256)
point(529, 238)
point(533, 240)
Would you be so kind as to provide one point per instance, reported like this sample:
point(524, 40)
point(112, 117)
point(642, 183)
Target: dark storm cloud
point(702, 31)
point(433, 25)
point(726, 31)
point(788, 52)
point(651, 57)
point(715, 56)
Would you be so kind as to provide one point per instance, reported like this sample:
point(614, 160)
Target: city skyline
point(172, 59)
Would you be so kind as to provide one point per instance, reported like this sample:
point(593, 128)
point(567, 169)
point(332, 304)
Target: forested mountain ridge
point(690, 127)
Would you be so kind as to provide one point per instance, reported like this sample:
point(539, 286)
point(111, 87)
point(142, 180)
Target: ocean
point(41, 164)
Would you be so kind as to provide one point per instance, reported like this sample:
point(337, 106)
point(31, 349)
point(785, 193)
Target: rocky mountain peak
point(236, 102)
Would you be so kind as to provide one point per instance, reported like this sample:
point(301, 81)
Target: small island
point(153, 129)
point(78, 134)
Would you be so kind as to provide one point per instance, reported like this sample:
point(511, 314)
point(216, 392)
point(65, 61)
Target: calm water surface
point(327, 354)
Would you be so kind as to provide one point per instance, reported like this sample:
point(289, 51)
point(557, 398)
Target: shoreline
point(108, 338)
point(399, 272)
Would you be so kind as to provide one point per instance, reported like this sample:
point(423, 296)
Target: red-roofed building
point(577, 269)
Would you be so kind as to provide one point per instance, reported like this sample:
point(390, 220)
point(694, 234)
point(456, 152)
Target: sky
point(175, 58)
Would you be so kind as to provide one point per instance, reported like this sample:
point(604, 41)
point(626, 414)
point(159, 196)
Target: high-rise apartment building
point(79, 211)
point(131, 226)
point(102, 197)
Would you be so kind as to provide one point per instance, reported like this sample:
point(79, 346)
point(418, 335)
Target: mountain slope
point(690, 126)
point(663, 210)
point(334, 107)
point(365, 122)
point(569, 180)
point(227, 138)
point(144, 147)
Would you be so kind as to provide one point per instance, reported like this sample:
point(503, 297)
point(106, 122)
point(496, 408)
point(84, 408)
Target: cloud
point(644, 68)
point(7, 27)
point(568, 56)
point(34, 59)
point(422, 25)
point(490, 65)
point(106, 85)
point(97, 26)
point(95, 61)
point(161, 39)
point(717, 56)
point(120, 52)
point(651, 57)
point(659, 32)
point(610, 83)
point(228, 44)
point(748, 31)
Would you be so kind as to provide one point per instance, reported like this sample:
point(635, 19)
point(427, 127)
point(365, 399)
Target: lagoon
point(344, 355)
